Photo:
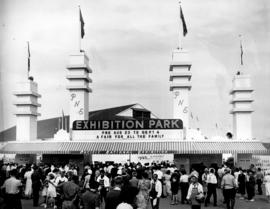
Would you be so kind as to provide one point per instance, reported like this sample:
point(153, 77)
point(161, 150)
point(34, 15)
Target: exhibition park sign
point(148, 129)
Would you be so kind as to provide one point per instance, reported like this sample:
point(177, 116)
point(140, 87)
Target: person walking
point(242, 184)
point(144, 188)
point(175, 178)
point(113, 197)
point(184, 185)
point(28, 184)
point(104, 184)
point(36, 185)
point(229, 188)
point(90, 198)
point(195, 192)
point(211, 187)
point(12, 188)
point(155, 192)
point(70, 192)
point(267, 185)
point(259, 180)
point(250, 184)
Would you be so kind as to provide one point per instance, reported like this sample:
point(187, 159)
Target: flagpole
point(28, 60)
point(180, 28)
point(79, 29)
point(241, 50)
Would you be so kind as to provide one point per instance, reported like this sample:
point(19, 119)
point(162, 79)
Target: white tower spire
point(242, 110)
point(180, 76)
point(26, 113)
point(78, 87)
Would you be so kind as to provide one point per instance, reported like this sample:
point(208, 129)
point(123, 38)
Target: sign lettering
point(127, 124)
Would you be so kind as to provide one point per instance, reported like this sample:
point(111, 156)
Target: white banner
point(154, 134)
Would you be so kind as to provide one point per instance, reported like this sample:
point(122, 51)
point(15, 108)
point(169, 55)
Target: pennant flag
point(197, 118)
point(63, 120)
point(29, 55)
point(241, 48)
point(82, 24)
point(191, 115)
point(183, 22)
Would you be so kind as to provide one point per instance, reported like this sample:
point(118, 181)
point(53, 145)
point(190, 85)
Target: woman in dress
point(167, 179)
point(28, 184)
point(267, 185)
point(144, 188)
point(51, 192)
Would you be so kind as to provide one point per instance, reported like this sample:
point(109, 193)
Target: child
point(195, 192)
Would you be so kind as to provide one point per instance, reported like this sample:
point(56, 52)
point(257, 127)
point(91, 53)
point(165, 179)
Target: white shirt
point(211, 179)
point(158, 187)
point(159, 174)
point(191, 186)
point(106, 180)
point(184, 178)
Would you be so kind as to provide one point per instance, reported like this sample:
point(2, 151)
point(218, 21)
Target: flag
point(29, 55)
point(63, 120)
point(82, 24)
point(216, 126)
point(197, 118)
point(241, 48)
point(191, 115)
point(183, 22)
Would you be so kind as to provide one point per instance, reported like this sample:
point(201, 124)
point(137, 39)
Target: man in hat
point(229, 188)
point(195, 192)
point(250, 184)
point(211, 187)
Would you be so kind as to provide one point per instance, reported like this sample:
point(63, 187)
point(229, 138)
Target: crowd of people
point(126, 186)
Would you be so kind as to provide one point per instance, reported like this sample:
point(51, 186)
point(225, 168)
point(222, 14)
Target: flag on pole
point(241, 48)
point(82, 24)
point(63, 120)
point(191, 115)
point(29, 55)
point(183, 22)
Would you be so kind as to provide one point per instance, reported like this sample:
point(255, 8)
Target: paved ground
point(260, 203)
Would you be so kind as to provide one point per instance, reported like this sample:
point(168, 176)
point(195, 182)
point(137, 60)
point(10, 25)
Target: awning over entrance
point(120, 147)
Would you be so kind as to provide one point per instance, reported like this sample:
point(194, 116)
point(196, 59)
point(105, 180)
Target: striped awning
point(144, 147)
point(31, 148)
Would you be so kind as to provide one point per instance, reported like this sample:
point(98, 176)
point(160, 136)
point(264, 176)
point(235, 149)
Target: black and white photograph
point(146, 104)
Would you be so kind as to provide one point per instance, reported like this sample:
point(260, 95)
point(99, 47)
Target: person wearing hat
point(211, 187)
point(250, 185)
point(204, 179)
point(195, 192)
point(229, 188)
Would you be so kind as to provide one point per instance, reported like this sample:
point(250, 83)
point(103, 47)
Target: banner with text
point(128, 129)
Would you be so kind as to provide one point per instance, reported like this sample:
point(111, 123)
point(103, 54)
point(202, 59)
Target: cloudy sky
point(130, 44)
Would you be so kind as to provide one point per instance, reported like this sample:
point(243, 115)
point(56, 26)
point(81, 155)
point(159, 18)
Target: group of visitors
point(127, 186)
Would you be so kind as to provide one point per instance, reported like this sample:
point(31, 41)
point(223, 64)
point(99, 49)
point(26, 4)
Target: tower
point(78, 87)
point(26, 110)
point(241, 107)
point(180, 76)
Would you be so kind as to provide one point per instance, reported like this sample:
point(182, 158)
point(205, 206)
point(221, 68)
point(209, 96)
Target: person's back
point(134, 181)
point(113, 197)
point(90, 200)
point(70, 189)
